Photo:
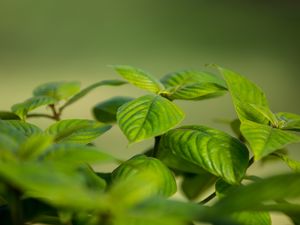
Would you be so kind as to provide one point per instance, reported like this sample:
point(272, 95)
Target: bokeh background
point(42, 41)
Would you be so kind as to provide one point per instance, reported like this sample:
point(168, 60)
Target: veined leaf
point(51, 185)
point(162, 181)
point(244, 91)
point(213, 150)
point(57, 90)
point(264, 139)
point(5, 115)
point(27, 129)
point(22, 109)
point(106, 112)
point(267, 113)
point(193, 85)
point(148, 116)
point(140, 78)
point(77, 131)
point(88, 89)
point(75, 154)
point(293, 164)
point(252, 196)
point(289, 121)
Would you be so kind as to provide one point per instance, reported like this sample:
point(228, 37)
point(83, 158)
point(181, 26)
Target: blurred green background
point(42, 41)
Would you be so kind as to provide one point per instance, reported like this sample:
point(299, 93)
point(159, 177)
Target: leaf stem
point(16, 208)
point(156, 144)
point(208, 198)
point(56, 114)
point(40, 115)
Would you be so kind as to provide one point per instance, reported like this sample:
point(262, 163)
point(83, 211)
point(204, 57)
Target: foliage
point(47, 176)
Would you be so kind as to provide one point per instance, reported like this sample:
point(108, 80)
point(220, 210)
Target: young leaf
point(57, 90)
point(264, 139)
point(22, 109)
point(76, 130)
point(193, 85)
point(148, 116)
point(140, 78)
point(88, 89)
point(4, 115)
point(293, 164)
point(213, 150)
point(106, 112)
point(289, 121)
point(75, 154)
point(244, 91)
point(162, 181)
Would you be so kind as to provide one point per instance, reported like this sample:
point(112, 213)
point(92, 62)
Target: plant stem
point(40, 115)
point(56, 114)
point(156, 144)
point(208, 198)
point(16, 208)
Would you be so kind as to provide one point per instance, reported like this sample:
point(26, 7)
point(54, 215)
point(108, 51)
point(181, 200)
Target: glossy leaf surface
point(140, 78)
point(148, 116)
point(213, 150)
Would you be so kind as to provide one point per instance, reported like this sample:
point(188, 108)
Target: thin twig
point(208, 198)
point(40, 115)
point(56, 114)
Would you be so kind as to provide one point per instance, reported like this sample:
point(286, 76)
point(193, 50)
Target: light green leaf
point(58, 90)
point(77, 130)
point(75, 154)
point(193, 85)
point(140, 78)
point(289, 121)
point(244, 91)
point(106, 112)
point(252, 196)
point(148, 116)
point(88, 89)
point(213, 150)
point(252, 218)
point(293, 164)
point(267, 113)
point(162, 181)
point(5, 115)
point(51, 185)
point(193, 185)
point(34, 146)
point(264, 139)
point(22, 109)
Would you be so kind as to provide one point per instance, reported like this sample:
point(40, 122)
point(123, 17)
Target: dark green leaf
point(243, 93)
point(195, 184)
point(5, 115)
point(193, 85)
point(106, 112)
point(140, 78)
point(264, 139)
point(77, 130)
point(148, 116)
point(22, 109)
point(88, 89)
point(58, 90)
point(27, 129)
point(75, 154)
point(162, 181)
point(209, 148)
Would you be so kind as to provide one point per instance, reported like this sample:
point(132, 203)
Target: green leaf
point(209, 148)
point(193, 85)
point(293, 164)
point(51, 185)
point(243, 93)
point(27, 129)
point(57, 90)
point(252, 218)
point(88, 89)
point(22, 109)
point(161, 180)
point(251, 196)
point(34, 146)
point(289, 121)
point(140, 78)
point(264, 139)
point(106, 112)
point(77, 130)
point(5, 115)
point(75, 154)
point(195, 184)
point(148, 116)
